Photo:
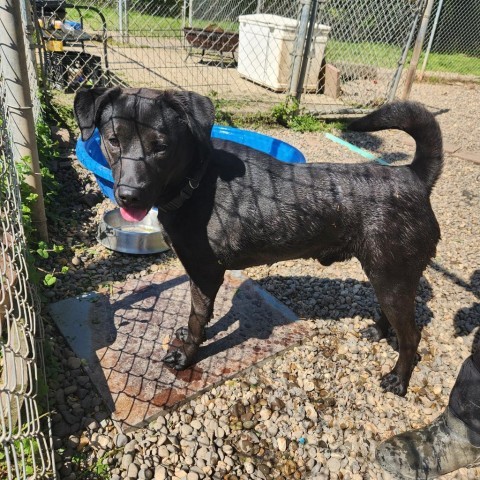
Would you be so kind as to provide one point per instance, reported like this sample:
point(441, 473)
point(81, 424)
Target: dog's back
point(330, 211)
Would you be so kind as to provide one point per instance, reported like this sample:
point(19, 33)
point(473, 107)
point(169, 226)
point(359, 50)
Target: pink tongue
point(133, 214)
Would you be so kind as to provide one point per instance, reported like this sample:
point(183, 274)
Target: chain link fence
point(363, 58)
point(25, 448)
point(246, 54)
point(452, 43)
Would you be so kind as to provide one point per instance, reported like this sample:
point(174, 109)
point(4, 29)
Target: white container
point(265, 49)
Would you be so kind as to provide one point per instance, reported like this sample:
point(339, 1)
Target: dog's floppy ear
point(197, 110)
point(88, 105)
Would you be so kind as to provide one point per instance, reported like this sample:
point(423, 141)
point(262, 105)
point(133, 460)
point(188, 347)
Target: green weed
point(287, 114)
point(100, 470)
point(47, 152)
point(290, 115)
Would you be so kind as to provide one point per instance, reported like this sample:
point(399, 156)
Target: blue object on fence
point(74, 25)
point(91, 157)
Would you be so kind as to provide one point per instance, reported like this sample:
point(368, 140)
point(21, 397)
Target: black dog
point(227, 206)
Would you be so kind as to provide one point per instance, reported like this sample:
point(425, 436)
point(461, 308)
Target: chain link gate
point(241, 52)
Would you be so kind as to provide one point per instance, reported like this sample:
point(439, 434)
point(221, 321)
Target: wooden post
point(417, 50)
point(18, 101)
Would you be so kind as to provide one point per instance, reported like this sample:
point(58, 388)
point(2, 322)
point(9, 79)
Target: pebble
point(121, 440)
point(145, 474)
point(74, 363)
point(282, 444)
point(76, 261)
point(196, 424)
point(127, 460)
point(308, 386)
point(132, 471)
point(160, 473)
point(334, 465)
point(265, 413)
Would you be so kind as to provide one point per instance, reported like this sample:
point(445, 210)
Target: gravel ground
point(316, 411)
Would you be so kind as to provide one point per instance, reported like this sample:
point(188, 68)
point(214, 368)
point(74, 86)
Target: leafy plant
point(99, 470)
point(306, 123)
point(43, 249)
point(284, 113)
point(50, 279)
point(290, 115)
point(47, 152)
point(222, 117)
point(27, 452)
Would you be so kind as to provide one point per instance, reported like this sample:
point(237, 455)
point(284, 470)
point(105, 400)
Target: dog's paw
point(392, 382)
point(182, 333)
point(177, 359)
point(372, 333)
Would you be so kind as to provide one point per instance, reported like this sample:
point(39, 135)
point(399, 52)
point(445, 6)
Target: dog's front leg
point(203, 298)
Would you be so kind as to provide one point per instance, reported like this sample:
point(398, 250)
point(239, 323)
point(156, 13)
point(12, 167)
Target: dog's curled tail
point(417, 121)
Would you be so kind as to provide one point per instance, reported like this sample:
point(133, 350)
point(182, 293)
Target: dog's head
point(153, 140)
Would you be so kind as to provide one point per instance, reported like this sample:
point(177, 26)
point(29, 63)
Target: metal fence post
point(123, 26)
point(299, 47)
point(306, 50)
point(19, 104)
point(417, 50)
point(190, 13)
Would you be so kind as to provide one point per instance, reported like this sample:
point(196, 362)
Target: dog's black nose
point(128, 196)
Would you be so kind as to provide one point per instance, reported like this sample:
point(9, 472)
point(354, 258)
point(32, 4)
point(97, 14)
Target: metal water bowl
point(138, 238)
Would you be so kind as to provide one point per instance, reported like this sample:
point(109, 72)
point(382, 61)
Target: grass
point(141, 23)
point(387, 56)
point(147, 25)
point(452, 63)
point(365, 53)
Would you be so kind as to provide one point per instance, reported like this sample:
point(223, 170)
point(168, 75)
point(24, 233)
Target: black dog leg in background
point(378, 330)
point(396, 297)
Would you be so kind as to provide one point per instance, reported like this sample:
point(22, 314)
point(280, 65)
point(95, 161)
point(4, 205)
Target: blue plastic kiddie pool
point(91, 157)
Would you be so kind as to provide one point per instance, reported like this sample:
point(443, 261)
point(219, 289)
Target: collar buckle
point(193, 183)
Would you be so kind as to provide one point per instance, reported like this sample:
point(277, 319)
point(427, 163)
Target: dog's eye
point(160, 147)
point(114, 142)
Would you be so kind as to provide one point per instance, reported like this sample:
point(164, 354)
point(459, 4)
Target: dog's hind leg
point(377, 331)
point(396, 295)
point(203, 293)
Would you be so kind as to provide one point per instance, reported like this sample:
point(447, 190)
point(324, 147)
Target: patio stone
point(122, 338)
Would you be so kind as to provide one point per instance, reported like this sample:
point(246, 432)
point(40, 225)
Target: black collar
point(190, 185)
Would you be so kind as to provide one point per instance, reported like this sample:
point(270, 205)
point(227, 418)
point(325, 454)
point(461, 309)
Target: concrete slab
point(123, 337)
point(470, 156)
point(447, 147)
